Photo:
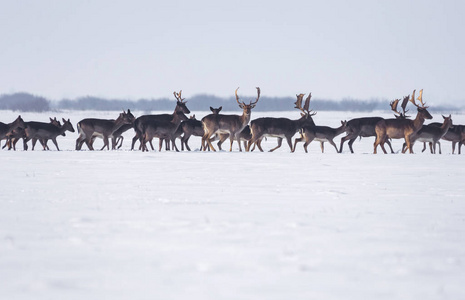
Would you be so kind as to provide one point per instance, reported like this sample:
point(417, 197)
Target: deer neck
point(418, 122)
point(117, 124)
point(340, 130)
point(245, 118)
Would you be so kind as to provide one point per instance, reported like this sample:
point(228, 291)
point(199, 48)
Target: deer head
point(248, 107)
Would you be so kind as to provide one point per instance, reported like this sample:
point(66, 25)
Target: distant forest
point(30, 103)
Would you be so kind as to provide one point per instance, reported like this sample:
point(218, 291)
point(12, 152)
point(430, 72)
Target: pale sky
point(147, 49)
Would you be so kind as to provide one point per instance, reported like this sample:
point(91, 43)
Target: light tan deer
point(227, 124)
point(401, 127)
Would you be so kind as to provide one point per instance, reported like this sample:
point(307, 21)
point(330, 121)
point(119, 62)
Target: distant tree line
point(30, 103)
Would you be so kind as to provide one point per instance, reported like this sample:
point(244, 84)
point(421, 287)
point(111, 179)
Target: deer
point(194, 127)
point(5, 129)
point(139, 122)
point(365, 127)
point(431, 134)
point(402, 127)
point(162, 130)
point(281, 127)
point(117, 137)
point(244, 136)
point(46, 131)
point(455, 135)
point(322, 134)
point(230, 124)
point(90, 129)
point(13, 137)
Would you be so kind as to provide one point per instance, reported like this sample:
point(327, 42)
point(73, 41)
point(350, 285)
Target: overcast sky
point(147, 49)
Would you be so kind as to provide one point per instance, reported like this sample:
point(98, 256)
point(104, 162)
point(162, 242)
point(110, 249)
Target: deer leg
point(439, 145)
point(334, 145)
point(322, 146)
point(207, 138)
point(424, 147)
point(238, 139)
point(34, 141)
point(54, 140)
point(432, 148)
point(231, 139)
point(390, 146)
point(134, 139)
point(351, 142)
point(307, 142)
point(106, 143)
point(297, 140)
point(289, 141)
point(280, 142)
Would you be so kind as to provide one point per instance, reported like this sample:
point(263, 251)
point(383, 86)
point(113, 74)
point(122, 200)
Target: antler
point(258, 97)
point(305, 109)
point(393, 105)
point(298, 103)
point(237, 99)
point(412, 99)
point(420, 98)
point(404, 104)
point(178, 96)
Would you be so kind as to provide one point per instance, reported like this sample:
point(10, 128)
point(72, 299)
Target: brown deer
point(90, 129)
point(431, 134)
point(320, 133)
point(401, 127)
point(244, 136)
point(194, 127)
point(46, 131)
point(13, 137)
point(365, 127)
point(281, 127)
point(230, 124)
point(162, 130)
point(5, 129)
point(139, 122)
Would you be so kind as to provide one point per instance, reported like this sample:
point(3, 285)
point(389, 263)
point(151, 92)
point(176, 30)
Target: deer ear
point(220, 108)
point(51, 120)
point(63, 120)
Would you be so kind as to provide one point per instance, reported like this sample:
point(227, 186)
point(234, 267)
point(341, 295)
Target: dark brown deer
point(401, 127)
point(162, 130)
point(281, 128)
point(321, 134)
point(139, 122)
point(117, 137)
point(7, 128)
point(227, 124)
point(90, 129)
point(455, 135)
point(431, 134)
point(45, 131)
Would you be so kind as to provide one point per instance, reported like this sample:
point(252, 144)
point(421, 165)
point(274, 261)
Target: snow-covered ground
point(204, 225)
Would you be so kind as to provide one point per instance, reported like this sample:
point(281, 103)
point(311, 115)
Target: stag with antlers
point(140, 121)
point(281, 127)
point(401, 127)
point(230, 124)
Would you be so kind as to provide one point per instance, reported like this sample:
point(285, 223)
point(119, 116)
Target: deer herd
point(240, 128)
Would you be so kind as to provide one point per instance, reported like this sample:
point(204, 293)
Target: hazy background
point(148, 49)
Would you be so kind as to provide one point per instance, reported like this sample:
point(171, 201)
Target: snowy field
point(203, 225)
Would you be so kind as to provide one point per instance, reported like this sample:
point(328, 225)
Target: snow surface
point(204, 225)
